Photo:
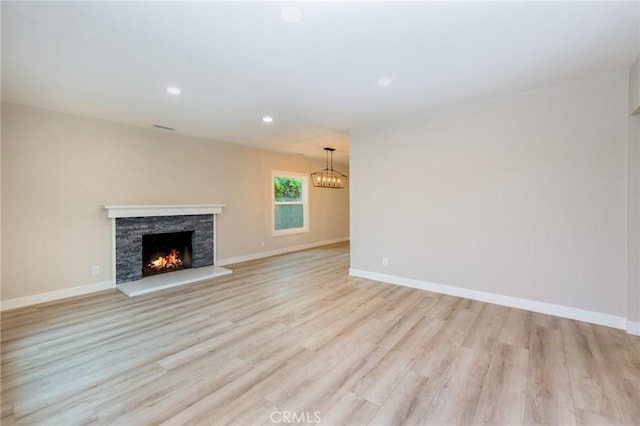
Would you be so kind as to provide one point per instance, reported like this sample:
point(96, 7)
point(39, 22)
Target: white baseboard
point(263, 254)
point(50, 296)
point(633, 327)
point(512, 302)
point(105, 285)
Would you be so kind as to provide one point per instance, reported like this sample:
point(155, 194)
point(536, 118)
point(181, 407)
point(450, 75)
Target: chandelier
point(329, 178)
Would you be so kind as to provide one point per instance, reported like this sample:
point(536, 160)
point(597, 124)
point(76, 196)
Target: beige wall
point(522, 196)
point(0, 201)
point(634, 220)
point(634, 195)
point(634, 87)
point(58, 170)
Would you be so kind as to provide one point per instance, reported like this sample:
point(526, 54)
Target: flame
point(164, 262)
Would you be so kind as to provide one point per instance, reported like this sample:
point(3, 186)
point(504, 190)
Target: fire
point(172, 260)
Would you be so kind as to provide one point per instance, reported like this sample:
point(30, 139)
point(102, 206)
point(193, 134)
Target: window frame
point(304, 202)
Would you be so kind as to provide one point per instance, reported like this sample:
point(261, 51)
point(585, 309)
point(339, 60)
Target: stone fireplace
point(156, 247)
point(131, 232)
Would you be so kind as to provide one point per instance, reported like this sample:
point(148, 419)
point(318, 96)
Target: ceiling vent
point(157, 126)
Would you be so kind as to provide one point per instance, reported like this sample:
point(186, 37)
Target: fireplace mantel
point(133, 217)
point(114, 211)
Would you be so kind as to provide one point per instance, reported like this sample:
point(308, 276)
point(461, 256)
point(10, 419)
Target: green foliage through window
point(287, 189)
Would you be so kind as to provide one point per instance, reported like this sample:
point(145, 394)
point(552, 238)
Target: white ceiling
point(238, 61)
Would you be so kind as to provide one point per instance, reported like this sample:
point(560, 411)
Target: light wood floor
point(295, 338)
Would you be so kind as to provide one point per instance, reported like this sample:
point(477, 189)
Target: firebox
point(166, 252)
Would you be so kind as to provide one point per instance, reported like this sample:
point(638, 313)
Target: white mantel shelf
point(162, 210)
point(172, 279)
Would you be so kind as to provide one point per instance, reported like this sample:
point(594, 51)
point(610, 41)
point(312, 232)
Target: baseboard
point(512, 302)
point(633, 327)
point(50, 296)
point(105, 285)
point(263, 254)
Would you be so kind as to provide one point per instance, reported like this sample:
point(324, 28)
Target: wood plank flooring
point(294, 339)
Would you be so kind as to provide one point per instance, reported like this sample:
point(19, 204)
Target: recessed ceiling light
point(174, 90)
point(291, 14)
point(385, 81)
point(267, 119)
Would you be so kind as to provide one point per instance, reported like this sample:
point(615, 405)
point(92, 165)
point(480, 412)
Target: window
point(290, 206)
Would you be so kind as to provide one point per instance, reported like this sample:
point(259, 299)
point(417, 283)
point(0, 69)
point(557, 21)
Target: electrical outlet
point(385, 261)
point(261, 243)
point(95, 270)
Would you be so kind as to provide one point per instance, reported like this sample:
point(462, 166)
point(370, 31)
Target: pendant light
point(329, 178)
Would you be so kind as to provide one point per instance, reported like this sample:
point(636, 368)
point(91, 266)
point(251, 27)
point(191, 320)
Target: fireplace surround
point(130, 232)
point(132, 225)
